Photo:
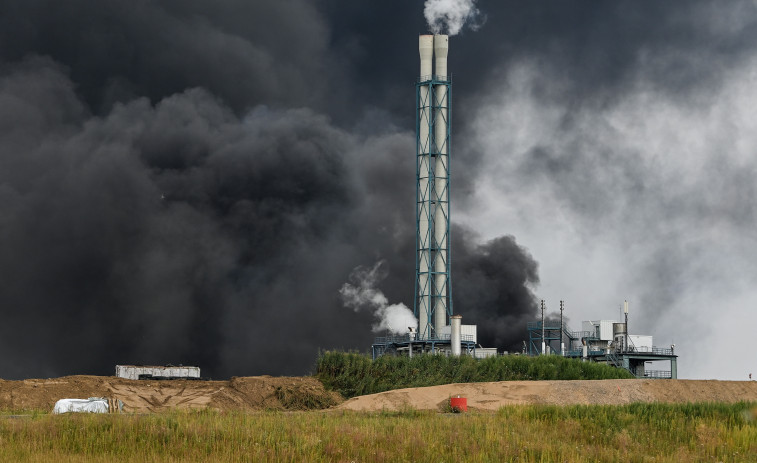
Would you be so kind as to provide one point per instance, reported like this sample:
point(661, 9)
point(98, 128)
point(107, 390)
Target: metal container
point(618, 329)
point(458, 404)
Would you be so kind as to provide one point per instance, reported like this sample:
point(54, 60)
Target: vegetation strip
point(637, 432)
point(353, 374)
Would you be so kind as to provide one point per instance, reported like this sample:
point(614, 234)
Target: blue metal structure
point(401, 345)
point(553, 337)
point(628, 358)
point(433, 294)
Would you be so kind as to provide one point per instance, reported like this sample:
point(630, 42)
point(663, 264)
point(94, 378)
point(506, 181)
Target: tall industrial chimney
point(441, 183)
point(432, 296)
point(423, 243)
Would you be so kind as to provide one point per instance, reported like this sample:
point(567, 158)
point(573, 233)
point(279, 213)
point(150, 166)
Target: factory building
point(604, 341)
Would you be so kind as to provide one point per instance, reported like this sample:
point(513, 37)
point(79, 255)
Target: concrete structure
point(157, 372)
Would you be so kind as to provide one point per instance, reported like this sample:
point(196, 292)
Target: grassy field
point(635, 433)
point(354, 374)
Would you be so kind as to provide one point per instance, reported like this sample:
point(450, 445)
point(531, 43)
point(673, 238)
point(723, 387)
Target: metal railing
point(405, 338)
point(552, 326)
point(434, 78)
point(547, 325)
point(657, 374)
point(647, 350)
point(616, 361)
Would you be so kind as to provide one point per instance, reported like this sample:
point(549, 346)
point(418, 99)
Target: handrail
point(646, 350)
point(434, 79)
point(657, 374)
point(404, 339)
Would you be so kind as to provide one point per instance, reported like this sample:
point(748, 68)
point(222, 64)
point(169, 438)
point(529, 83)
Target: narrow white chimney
point(456, 334)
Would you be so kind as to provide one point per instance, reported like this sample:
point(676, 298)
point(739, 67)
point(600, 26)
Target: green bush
point(354, 374)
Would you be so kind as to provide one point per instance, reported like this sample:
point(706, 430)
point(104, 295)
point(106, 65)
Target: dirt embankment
point(307, 393)
point(492, 396)
point(243, 393)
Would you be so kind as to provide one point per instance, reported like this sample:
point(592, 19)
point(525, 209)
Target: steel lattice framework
point(433, 296)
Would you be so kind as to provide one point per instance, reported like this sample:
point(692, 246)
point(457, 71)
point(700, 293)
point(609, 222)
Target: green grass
point(353, 374)
point(636, 433)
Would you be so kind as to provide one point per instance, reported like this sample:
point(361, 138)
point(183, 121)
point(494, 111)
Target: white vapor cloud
point(361, 294)
point(650, 198)
point(451, 16)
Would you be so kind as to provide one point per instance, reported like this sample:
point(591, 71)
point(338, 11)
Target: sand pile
point(245, 393)
point(492, 396)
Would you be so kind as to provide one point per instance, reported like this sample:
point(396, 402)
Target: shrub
point(354, 374)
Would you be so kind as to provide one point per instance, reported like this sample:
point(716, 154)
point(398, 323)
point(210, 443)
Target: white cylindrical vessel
point(441, 181)
point(456, 337)
point(619, 333)
point(426, 50)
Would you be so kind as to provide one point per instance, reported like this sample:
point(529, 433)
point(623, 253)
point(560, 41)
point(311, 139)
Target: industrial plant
point(604, 341)
point(439, 330)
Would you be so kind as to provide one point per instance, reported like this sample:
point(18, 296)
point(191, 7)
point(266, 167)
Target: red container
point(458, 404)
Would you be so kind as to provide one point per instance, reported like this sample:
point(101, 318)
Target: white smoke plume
point(361, 293)
point(451, 15)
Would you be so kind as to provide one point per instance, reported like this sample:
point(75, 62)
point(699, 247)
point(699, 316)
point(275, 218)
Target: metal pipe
point(562, 344)
point(543, 340)
point(455, 337)
point(584, 350)
point(625, 309)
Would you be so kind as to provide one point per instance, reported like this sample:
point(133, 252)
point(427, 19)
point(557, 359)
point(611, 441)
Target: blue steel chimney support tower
point(433, 297)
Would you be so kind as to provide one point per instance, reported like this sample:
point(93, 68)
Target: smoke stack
point(455, 338)
point(432, 296)
point(423, 294)
point(441, 49)
point(441, 182)
point(426, 49)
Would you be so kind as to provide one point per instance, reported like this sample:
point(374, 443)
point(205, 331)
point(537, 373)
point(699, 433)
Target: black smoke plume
point(183, 232)
point(192, 182)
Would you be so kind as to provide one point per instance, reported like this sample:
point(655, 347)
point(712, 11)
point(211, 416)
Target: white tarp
point(91, 405)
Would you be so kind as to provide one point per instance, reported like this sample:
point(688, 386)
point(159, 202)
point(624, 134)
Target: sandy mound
point(491, 396)
point(247, 393)
point(307, 393)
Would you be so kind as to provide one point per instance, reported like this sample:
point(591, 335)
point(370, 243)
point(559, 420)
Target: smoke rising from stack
point(361, 293)
point(450, 16)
